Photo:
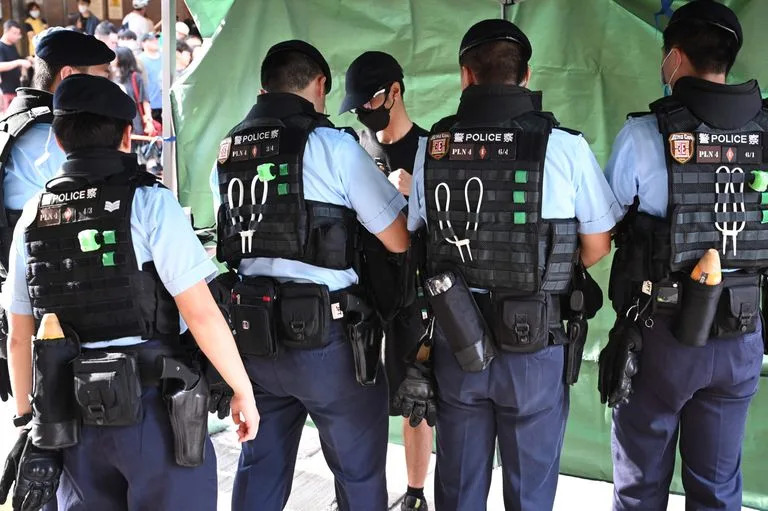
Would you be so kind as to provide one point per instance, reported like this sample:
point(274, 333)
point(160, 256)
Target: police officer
point(507, 197)
point(293, 190)
point(132, 265)
point(683, 173)
point(374, 91)
point(29, 156)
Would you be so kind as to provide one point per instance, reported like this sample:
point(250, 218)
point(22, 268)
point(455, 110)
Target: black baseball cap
point(487, 31)
point(81, 93)
point(70, 48)
point(711, 12)
point(366, 75)
point(305, 48)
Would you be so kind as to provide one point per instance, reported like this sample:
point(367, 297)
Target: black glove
point(618, 362)
point(5, 380)
point(36, 473)
point(220, 393)
point(415, 398)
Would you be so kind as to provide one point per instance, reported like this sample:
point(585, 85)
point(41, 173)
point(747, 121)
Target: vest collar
point(91, 166)
point(725, 107)
point(496, 103)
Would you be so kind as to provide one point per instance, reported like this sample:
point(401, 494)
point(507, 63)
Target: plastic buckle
point(297, 327)
point(97, 412)
point(522, 328)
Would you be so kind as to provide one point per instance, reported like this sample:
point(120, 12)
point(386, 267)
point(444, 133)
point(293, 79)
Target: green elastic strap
point(282, 189)
point(519, 217)
point(108, 259)
point(765, 217)
point(764, 198)
point(265, 172)
point(87, 239)
point(518, 197)
point(759, 180)
point(283, 169)
point(521, 176)
point(110, 237)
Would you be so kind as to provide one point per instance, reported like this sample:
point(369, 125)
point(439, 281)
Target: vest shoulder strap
point(349, 131)
point(632, 115)
point(569, 130)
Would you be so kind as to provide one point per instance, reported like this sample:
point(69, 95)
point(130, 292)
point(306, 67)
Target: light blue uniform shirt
point(637, 166)
point(161, 233)
point(34, 159)
point(337, 171)
point(573, 186)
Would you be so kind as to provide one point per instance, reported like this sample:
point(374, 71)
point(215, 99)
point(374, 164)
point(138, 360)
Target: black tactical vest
point(483, 184)
point(718, 175)
point(81, 264)
point(263, 211)
point(29, 107)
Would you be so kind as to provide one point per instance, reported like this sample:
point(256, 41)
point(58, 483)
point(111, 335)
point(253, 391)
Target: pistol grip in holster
point(188, 413)
point(365, 333)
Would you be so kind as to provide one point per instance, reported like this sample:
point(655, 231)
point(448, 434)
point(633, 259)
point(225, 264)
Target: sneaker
point(411, 503)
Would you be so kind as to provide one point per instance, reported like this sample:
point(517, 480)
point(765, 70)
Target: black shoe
point(411, 503)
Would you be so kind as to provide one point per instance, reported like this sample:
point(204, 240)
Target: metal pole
point(169, 71)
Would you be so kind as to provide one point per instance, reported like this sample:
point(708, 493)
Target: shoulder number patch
point(681, 147)
point(438, 145)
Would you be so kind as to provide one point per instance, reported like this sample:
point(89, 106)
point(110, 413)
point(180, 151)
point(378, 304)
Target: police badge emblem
point(681, 147)
point(438, 145)
point(224, 148)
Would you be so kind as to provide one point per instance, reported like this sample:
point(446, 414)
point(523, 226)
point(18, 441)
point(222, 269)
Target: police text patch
point(499, 144)
point(255, 144)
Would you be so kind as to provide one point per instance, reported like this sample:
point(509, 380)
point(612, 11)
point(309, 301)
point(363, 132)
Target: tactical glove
point(34, 471)
point(618, 362)
point(220, 393)
point(415, 398)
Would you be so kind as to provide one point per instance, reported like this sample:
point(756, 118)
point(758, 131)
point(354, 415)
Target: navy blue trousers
point(133, 468)
point(351, 420)
point(521, 400)
point(697, 395)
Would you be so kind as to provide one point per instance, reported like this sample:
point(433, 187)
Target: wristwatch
point(22, 421)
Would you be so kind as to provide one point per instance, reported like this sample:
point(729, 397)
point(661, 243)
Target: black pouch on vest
point(188, 413)
point(253, 313)
point(56, 417)
point(693, 324)
point(305, 313)
point(521, 323)
point(737, 312)
point(108, 388)
point(460, 320)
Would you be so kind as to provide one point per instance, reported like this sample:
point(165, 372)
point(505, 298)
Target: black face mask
point(375, 120)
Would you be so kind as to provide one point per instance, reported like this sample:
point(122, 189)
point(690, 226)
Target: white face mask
point(82, 8)
point(35, 14)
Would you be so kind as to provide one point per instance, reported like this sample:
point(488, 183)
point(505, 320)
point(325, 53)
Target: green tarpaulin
point(595, 60)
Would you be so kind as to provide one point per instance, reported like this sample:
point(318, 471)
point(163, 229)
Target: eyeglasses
point(370, 104)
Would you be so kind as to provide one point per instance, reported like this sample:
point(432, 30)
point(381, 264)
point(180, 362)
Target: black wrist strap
point(21, 421)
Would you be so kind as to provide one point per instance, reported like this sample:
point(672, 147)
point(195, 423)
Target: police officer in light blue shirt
point(293, 190)
point(683, 360)
point(110, 252)
point(30, 151)
point(487, 181)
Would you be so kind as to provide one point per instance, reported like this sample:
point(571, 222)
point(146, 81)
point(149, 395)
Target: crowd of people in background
point(137, 68)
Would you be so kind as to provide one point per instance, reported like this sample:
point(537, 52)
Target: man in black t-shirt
point(374, 92)
point(11, 63)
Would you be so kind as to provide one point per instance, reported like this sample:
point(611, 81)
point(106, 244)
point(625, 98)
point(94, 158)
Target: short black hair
point(105, 28)
point(288, 71)
point(181, 46)
point(30, 5)
point(88, 131)
point(496, 62)
point(45, 73)
point(126, 34)
point(11, 24)
point(710, 49)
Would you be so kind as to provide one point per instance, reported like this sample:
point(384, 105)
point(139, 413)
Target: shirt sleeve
point(621, 171)
point(213, 182)
point(417, 209)
point(376, 202)
point(15, 296)
point(179, 257)
point(596, 208)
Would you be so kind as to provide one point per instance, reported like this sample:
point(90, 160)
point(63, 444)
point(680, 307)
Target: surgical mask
point(375, 120)
point(130, 44)
point(667, 86)
point(82, 8)
point(35, 14)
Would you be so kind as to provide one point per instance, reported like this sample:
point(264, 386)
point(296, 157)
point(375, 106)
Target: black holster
point(188, 413)
point(55, 422)
point(697, 312)
point(461, 321)
point(577, 338)
point(365, 332)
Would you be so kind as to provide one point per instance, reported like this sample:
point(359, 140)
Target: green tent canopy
point(595, 60)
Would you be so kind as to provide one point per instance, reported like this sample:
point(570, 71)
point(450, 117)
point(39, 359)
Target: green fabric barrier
point(595, 60)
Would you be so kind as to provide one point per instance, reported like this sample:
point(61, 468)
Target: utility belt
point(477, 324)
point(266, 314)
point(697, 312)
point(103, 387)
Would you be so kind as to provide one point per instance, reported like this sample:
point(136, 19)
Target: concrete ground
point(313, 482)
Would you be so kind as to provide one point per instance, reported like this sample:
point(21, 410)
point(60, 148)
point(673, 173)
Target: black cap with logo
point(368, 74)
point(712, 12)
point(305, 48)
point(487, 31)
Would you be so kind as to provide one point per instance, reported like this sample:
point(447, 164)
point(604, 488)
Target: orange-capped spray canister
point(707, 270)
point(50, 328)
